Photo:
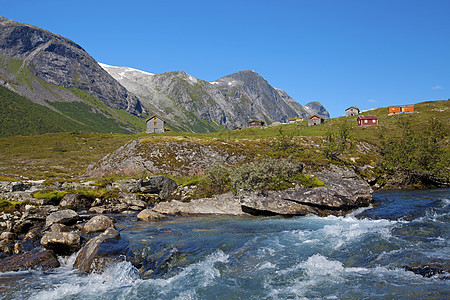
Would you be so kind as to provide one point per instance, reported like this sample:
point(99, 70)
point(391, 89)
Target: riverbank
point(60, 219)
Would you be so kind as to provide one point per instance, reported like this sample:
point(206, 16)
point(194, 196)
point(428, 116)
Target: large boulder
point(162, 185)
point(67, 217)
point(75, 202)
point(127, 185)
point(225, 204)
point(42, 260)
point(98, 224)
point(133, 201)
point(101, 250)
point(20, 186)
point(62, 243)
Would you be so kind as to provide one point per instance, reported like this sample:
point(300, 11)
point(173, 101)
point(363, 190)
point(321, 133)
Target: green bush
point(216, 181)
point(266, 174)
point(337, 140)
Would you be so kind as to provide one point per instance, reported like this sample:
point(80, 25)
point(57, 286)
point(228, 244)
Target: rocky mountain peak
point(241, 78)
point(59, 61)
point(315, 108)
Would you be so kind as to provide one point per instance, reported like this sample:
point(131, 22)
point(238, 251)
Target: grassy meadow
point(66, 155)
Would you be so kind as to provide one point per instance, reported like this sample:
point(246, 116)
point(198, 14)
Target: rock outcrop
point(344, 190)
point(162, 185)
point(172, 155)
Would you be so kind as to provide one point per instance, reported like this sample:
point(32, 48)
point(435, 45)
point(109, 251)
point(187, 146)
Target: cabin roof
point(403, 105)
point(154, 116)
point(368, 117)
point(352, 107)
point(315, 116)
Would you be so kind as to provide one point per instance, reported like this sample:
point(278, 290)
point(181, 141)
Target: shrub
point(216, 181)
point(337, 140)
point(266, 174)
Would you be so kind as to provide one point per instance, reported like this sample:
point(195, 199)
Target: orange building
point(397, 109)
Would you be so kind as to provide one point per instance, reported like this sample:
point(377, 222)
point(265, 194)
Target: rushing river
point(365, 255)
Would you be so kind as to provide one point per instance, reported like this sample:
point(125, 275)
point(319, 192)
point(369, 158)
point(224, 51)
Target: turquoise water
point(364, 255)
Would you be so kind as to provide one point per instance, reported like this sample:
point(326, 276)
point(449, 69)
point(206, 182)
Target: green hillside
point(20, 116)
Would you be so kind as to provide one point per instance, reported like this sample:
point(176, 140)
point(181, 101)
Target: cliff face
point(46, 68)
point(192, 104)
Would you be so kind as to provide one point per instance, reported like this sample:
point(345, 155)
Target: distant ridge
point(193, 104)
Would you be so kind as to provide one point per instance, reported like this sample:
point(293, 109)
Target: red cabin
point(367, 120)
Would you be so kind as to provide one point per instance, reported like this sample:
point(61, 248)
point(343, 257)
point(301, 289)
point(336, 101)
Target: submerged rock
point(101, 250)
point(149, 215)
point(428, 269)
point(43, 260)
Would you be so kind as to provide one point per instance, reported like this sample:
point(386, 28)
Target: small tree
point(338, 140)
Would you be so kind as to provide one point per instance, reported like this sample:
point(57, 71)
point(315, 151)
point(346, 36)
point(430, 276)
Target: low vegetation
point(9, 206)
point(418, 156)
point(260, 175)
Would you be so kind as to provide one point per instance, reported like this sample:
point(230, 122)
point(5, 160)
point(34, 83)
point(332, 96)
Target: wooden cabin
point(155, 124)
point(398, 109)
point(367, 120)
point(256, 123)
point(315, 120)
point(295, 120)
point(352, 111)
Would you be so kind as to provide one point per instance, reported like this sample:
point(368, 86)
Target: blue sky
point(339, 52)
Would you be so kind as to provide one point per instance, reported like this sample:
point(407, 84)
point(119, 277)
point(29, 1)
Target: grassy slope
point(63, 155)
point(20, 116)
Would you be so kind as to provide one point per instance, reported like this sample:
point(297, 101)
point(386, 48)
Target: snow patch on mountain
point(124, 70)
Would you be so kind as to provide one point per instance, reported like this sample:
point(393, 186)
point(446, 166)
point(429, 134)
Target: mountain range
point(53, 78)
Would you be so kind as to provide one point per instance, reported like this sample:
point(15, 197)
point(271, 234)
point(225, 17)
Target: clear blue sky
point(367, 53)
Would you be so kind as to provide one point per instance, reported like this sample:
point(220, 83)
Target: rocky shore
point(35, 233)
